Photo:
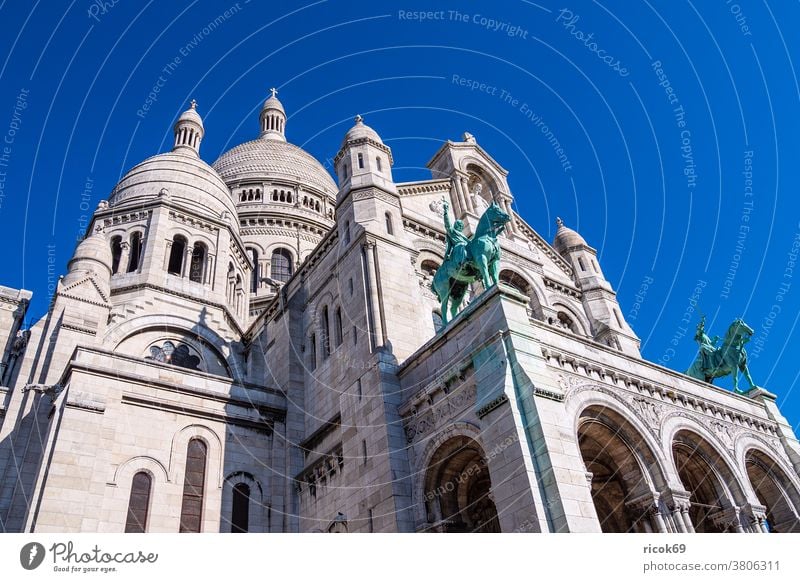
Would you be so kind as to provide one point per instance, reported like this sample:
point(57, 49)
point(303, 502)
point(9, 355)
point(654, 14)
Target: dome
point(191, 115)
point(269, 158)
point(566, 238)
point(182, 177)
point(361, 131)
point(273, 102)
point(93, 254)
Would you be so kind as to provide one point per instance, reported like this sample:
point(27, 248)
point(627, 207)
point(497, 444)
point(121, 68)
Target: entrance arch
point(457, 489)
point(774, 490)
point(625, 473)
point(714, 491)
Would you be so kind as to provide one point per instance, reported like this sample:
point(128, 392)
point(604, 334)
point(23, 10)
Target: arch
point(139, 502)
point(624, 468)
point(389, 225)
point(197, 268)
point(569, 319)
point(281, 267)
point(177, 458)
point(118, 494)
point(135, 251)
point(194, 485)
point(775, 490)
point(515, 280)
point(338, 331)
point(429, 267)
point(167, 326)
point(255, 275)
point(457, 489)
point(177, 252)
point(713, 486)
point(116, 253)
point(326, 333)
point(378, 163)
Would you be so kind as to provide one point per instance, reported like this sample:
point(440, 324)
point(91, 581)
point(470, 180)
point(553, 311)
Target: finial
point(193, 104)
point(359, 119)
point(559, 222)
point(274, 92)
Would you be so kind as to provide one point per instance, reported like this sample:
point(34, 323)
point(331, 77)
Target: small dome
point(191, 115)
point(93, 254)
point(273, 102)
point(186, 179)
point(566, 238)
point(361, 131)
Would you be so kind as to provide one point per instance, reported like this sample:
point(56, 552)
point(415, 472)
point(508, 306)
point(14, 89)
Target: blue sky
point(677, 124)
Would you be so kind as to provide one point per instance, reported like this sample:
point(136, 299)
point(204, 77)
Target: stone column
point(187, 262)
point(466, 194)
point(455, 198)
point(372, 286)
point(123, 257)
point(687, 518)
point(656, 516)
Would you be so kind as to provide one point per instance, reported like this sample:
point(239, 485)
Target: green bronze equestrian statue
point(468, 259)
point(729, 358)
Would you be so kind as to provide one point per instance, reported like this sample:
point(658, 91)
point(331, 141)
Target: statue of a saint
point(456, 248)
point(707, 345)
point(477, 200)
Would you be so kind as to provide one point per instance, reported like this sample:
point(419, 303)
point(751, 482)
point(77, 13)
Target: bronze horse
point(729, 358)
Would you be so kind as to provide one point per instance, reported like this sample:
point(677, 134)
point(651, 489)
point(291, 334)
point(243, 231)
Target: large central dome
point(264, 157)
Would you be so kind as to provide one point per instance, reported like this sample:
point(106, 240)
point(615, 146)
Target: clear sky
point(666, 132)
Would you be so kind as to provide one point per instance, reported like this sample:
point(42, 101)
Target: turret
point(189, 131)
point(599, 298)
point(363, 160)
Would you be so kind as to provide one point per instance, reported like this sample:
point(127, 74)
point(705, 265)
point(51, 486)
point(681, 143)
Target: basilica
point(253, 346)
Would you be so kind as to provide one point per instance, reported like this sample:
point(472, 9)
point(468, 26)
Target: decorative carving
point(437, 207)
point(724, 432)
point(442, 412)
point(650, 411)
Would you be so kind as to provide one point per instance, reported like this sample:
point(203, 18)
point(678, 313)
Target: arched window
point(240, 512)
point(254, 279)
point(429, 267)
point(116, 253)
point(312, 348)
point(281, 265)
point(139, 503)
point(566, 322)
point(136, 252)
point(581, 264)
point(360, 160)
point(198, 266)
point(326, 333)
point(389, 227)
point(193, 487)
point(378, 163)
point(337, 327)
point(176, 254)
point(346, 235)
point(515, 280)
point(231, 283)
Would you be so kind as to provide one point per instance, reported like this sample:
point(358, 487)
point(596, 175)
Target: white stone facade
point(246, 346)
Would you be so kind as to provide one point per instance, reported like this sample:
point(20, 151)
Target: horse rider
point(707, 345)
point(456, 249)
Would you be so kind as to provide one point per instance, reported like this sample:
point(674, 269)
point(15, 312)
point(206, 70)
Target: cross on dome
point(359, 119)
point(274, 92)
point(193, 104)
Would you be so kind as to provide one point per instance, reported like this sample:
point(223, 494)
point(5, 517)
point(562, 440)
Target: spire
point(189, 131)
point(273, 118)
